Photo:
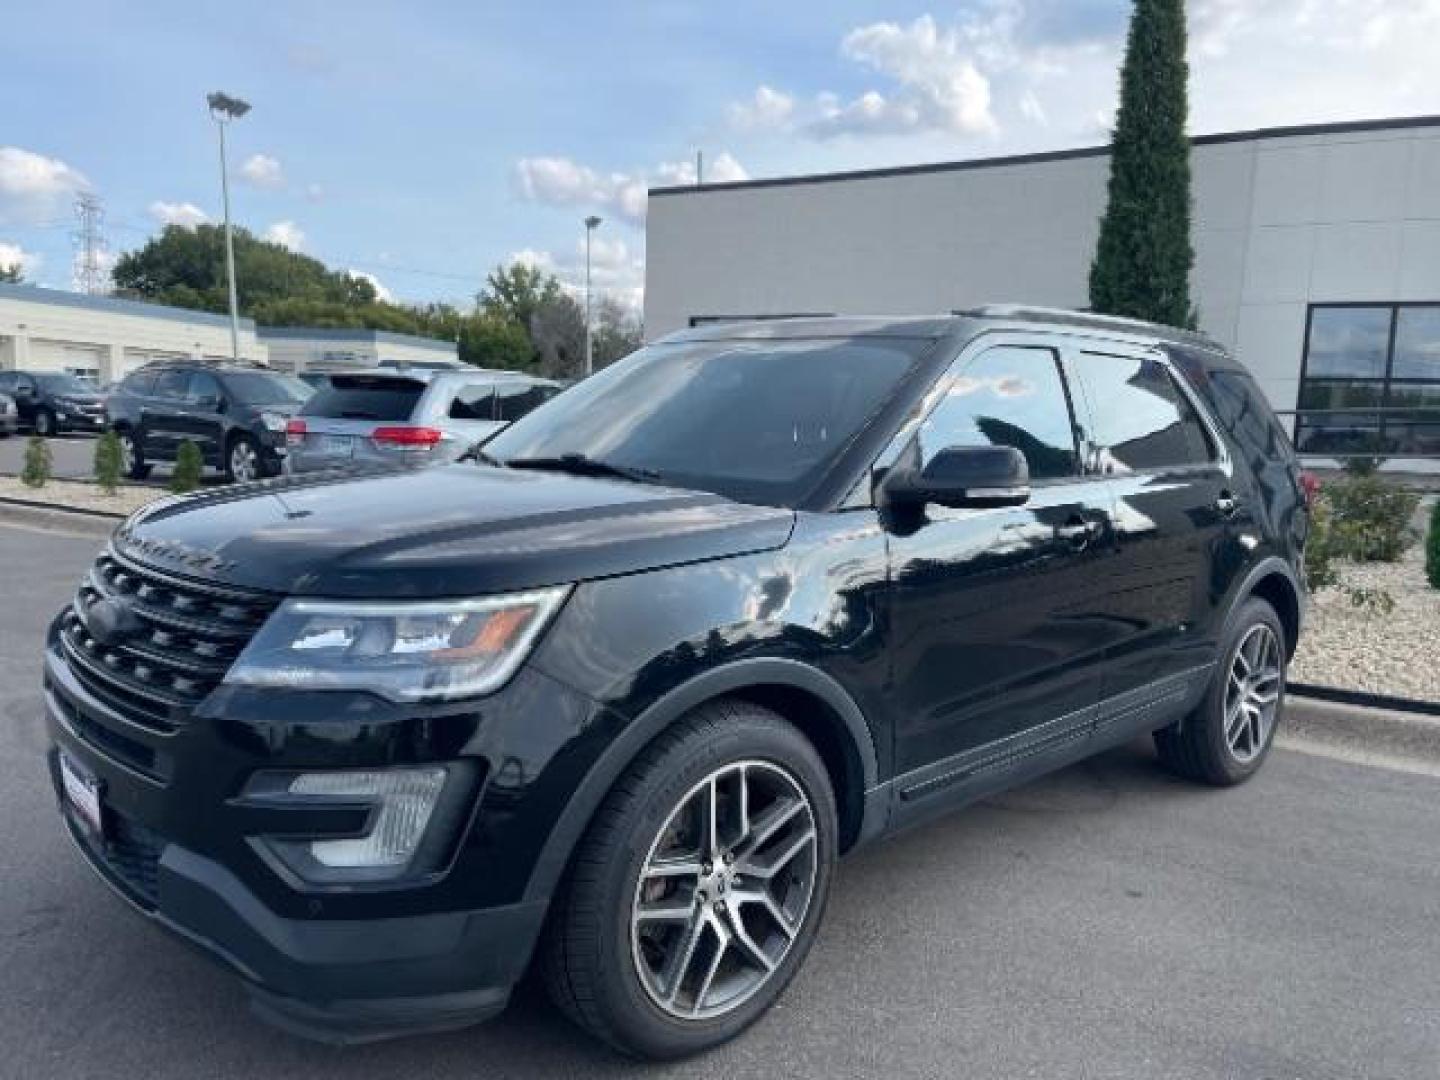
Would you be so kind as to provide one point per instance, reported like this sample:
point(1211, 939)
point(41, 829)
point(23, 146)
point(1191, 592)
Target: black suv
point(52, 402)
point(235, 415)
point(616, 694)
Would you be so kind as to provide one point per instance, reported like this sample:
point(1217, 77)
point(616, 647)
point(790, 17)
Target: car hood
point(456, 530)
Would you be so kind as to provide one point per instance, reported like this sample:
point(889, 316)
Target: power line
point(91, 273)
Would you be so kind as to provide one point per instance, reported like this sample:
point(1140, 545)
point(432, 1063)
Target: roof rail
point(1073, 317)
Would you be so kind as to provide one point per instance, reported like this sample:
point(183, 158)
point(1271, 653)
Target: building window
point(1370, 380)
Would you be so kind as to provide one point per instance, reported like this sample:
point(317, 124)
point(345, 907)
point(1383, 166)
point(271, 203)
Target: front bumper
point(336, 965)
point(75, 420)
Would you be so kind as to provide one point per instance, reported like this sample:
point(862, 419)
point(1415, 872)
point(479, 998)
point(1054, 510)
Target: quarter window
point(1371, 380)
point(514, 400)
point(474, 402)
point(1008, 396)
point(1141, 419)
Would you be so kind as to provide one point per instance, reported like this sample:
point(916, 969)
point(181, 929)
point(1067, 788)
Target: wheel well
point(826, 730)
point(1277, 590)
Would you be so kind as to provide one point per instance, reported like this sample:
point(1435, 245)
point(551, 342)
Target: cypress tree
point(1142, 263)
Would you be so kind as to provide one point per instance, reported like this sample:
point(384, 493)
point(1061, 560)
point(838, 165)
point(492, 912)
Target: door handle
point(1077, 532)
point(1227, 504)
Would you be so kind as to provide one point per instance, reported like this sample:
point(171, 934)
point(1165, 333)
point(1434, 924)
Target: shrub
point(1432, 548)
point(36, 469)
point(107, 462)
point(1371, 521)
point(188, 466)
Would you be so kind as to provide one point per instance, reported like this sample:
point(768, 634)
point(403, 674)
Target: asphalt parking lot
point(1106, 922)
point(72, 456)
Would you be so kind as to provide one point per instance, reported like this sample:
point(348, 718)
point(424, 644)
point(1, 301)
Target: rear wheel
point(1226, 739)
point(698, 890)
point(242, 460)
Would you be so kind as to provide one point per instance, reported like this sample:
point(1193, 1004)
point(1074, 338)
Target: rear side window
point(1141, 419)
point(514, 400)
point(173, 383)
point(365, 397)
point(1008, 396)
point(474, 402)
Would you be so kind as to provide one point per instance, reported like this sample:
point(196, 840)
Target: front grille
point(172, 654)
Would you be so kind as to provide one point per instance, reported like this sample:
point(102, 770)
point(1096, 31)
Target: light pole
point(591, 224)
point(223, 109)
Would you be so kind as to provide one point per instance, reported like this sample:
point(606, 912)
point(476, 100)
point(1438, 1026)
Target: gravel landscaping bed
point(79, 495)
point(1396, 654)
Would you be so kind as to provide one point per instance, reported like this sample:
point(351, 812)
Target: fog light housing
point(402, 802)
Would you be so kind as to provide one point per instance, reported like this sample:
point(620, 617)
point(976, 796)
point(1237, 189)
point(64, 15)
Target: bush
point(107, 462)
point(36, 469)
point(188, 466)
point(1432, 548)
point(1371, 518)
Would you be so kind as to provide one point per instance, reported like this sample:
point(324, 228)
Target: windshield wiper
point(581, 465)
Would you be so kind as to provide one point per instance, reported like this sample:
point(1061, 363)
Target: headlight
point(274, 421)
point(402, 802)
point(424, 651)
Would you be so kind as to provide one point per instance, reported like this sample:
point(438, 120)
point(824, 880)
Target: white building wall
point(1281, 221)
point(43, 329)
point(328, 352)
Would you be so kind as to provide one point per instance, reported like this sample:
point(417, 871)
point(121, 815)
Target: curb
point(1404, 740)
point(51, 519)
point(1364, 699)
point(56, 508)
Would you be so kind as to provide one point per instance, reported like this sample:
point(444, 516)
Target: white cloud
point(938, 85)
point(615, 270)
point(561, 181)
point(34, 187)
point(186, 215)
point(262, 171)
point(381, 292)
point(15, 255)
point(286, 234)
point(1031, 109)
point(767, 110)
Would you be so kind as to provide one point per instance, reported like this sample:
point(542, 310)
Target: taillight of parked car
point(413, 439)
point(295, 432)
point(1310, 486)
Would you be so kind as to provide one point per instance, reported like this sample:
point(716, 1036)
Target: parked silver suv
point(407, 415)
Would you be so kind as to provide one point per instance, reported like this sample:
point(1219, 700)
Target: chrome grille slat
point(180, 640)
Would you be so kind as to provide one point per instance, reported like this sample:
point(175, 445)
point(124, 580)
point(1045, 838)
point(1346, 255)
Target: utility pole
point(591, 224)
point(224, 109)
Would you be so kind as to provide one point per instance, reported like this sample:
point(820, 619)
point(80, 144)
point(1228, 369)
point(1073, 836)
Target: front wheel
point(1227, 738)
point(132, 461)
point(698, 890)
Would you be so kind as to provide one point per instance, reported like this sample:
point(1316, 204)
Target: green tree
point(518, 292)
point(1143, 259)
point(107, 462)
point(11, 274)
point(618, 332)
point(492, 342)
point(36, 469)
point(188, 466)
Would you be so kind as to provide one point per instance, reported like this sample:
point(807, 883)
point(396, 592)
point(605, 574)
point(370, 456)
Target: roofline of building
point(354, 334)
point(1337, 128)
point(35, 294)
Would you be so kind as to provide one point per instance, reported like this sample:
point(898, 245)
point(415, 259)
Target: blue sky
point(425, 142)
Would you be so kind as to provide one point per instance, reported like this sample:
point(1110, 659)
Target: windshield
point(65, 384)
point(263, 388)
point(756, 421)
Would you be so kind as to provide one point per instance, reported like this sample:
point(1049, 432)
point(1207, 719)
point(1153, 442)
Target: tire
point(609, 976)
point(242, 460)
point(1205, 746)
point(45, 425)
point(132, 458)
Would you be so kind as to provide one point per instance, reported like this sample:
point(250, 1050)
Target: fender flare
point(769, 671)
point(1271, 564)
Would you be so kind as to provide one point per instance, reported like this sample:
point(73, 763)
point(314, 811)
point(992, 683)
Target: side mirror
point(961, 476)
